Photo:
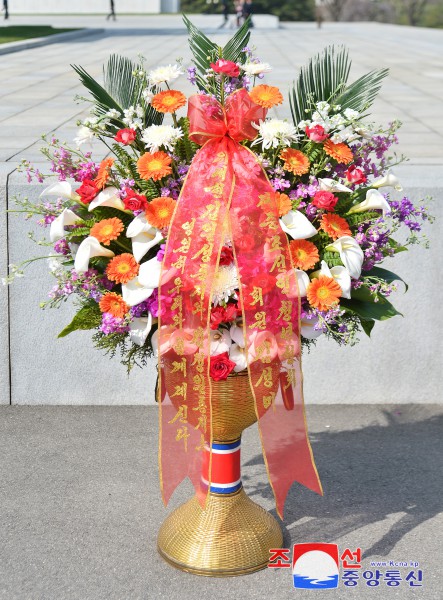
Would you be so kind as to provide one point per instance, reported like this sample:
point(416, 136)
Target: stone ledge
point(45, 41)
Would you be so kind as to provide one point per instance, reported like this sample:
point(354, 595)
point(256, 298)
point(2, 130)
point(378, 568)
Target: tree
point(412, 9)
point(335, 8)
point(286, 10)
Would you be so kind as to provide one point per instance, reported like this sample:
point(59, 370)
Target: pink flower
point(316, 133)
point(262, 345)
point(325, 200)
point(355, 175)
point(226, 67)
point(125, 136)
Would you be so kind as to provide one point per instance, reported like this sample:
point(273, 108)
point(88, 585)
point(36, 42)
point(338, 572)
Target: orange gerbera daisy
point(334, 226)
point(304, 254)
point(340, 152)
point(107, 230)
point(284, 203)
point(154, 165)
point(168, 101)
point(122, 268)
point(323, 292)
point(103, 172)
point(266, 95)
point(113, 303)
point(159, 211)
point(295, 161)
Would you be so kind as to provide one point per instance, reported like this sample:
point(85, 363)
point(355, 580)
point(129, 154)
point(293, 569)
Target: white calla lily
point(61, 189)
point(140, 288)
point(220, 341)
point(374, 201)
point(238, 356)
point(307, 329)
point(237, 335)
point(329, 185)
point(143, 235)
point(388, 180)
point(108, 197)
point(351, 254)
point(139, 329)
point(89, 248)
point(302, 282)
point(296, 225)
point(340, 274)
point(57, 228)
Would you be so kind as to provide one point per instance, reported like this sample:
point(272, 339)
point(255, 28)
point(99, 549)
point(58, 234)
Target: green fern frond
point(119, 82)
point(361, 94)
point(234, 48)
point(365, 217)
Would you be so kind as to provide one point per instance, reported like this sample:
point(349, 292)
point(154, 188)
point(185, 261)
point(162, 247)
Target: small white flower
point(238, 355)
point(220, 341)
point(164, 74)
point(351, 254)
point(350, 114)
point(274, 133)
point(54, 263)
point(161, 135)
point(225, 283)
point(329, 185)
point(89, 248)
point(139, 329)
point(373, 201)
point(57, 228)
point(139, 111)
point(113, 114)
point(147, 95)
point(252, 69)
point(108, 197)
point(296, 225)
point(389, 180)
point(323, 107)
point(84, 136)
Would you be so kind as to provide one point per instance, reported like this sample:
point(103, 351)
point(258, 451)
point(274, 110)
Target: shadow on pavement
point(367, 474)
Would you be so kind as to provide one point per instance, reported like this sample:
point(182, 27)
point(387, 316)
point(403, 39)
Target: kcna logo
point(315, 566)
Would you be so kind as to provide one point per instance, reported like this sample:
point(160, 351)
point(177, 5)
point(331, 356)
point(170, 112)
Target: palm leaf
point(103, 100)
point(119, 81)
point(325, 77)
point(322, 78)
point(204, 51)
point(362, 93)
point(234, 48)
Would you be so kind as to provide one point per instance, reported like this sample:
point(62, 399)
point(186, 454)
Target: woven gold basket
point(233, 535)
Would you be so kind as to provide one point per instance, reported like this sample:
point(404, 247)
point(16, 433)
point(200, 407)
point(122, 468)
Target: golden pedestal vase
point(233, 534)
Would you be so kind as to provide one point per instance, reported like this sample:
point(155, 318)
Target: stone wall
point(53, 7)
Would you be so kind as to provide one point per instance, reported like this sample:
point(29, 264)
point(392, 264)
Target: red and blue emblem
point(225, 471)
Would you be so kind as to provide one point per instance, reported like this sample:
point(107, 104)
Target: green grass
point(14, 33)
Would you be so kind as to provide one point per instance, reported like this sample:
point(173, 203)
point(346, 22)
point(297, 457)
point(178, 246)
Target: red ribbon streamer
point(227, 194)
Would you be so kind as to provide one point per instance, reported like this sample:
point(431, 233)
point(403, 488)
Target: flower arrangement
point(329, 169)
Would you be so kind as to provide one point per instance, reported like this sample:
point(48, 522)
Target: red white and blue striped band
point(225, 476)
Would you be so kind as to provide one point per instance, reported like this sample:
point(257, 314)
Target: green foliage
point(118, 343)
point(358, 218)
point(384, 275)
point(369, 307)
point(88, 317)
point(324, 78)
point(204, 51)
point(184, 148)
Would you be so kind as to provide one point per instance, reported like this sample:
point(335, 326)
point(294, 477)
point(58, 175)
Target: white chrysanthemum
point(274, 133)
point(161, 135)
point(84, 136)
point(252, 69)
point(164, 74)
point(225, 283)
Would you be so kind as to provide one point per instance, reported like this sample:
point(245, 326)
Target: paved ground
point(37, 85)
point(80, 503)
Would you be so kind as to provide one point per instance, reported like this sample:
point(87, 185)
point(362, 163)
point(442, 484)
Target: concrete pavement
point(80, 504)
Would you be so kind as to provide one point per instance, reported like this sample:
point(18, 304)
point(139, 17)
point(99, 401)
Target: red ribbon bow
point(227, 196)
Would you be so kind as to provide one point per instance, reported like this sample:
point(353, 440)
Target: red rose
point(220, 314)
point(316, 133)
point(325, 200)
point(87, 191)
point(226, 67)
point(220, 366)
point(226, 256)
point(355, 175)
point(134, 201)
point(125, 136)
